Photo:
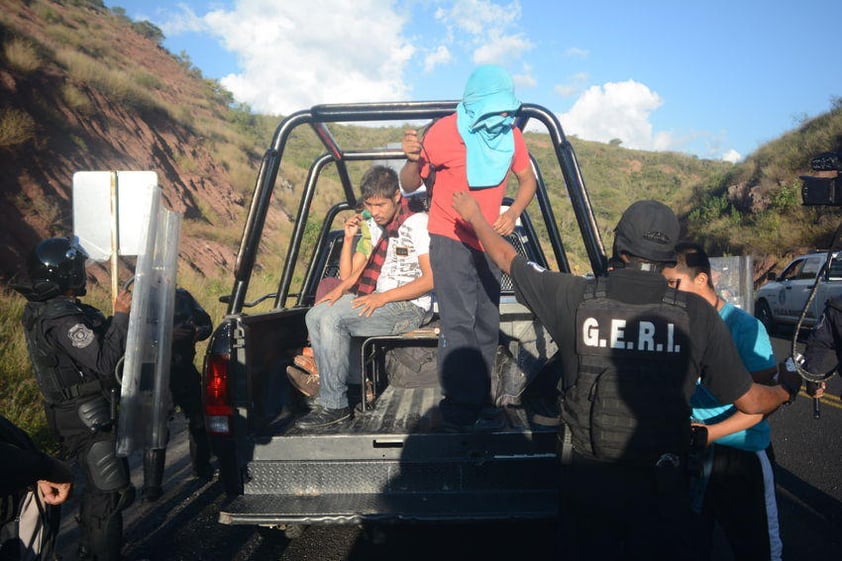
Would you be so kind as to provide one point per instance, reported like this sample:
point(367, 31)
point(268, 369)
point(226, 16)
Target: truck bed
point(390, 464)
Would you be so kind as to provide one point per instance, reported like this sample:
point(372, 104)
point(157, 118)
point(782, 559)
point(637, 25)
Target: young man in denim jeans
point(391, 296)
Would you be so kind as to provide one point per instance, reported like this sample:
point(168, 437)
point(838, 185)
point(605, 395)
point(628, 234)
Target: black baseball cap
point(648, 229)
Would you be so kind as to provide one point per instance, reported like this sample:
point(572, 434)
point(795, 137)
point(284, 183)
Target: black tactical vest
point(54, 371)
point(628, 403)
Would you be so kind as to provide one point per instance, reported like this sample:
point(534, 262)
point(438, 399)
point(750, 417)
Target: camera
point(823, 190)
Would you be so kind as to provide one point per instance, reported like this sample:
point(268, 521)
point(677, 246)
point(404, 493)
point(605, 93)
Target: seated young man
point(391, 295)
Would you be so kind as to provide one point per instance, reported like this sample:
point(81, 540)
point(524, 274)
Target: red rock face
point(96, 130)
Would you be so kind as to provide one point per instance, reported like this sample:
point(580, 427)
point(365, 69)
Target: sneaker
point(323, 417)
point(306, 363)
point(306, 383)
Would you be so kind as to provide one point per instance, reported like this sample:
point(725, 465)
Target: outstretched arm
point(500, 250)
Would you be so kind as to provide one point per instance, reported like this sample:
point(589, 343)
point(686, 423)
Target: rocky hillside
point(82, 89)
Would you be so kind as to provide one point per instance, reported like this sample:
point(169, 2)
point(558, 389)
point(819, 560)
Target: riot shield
point(733, 279)
point(145, 396)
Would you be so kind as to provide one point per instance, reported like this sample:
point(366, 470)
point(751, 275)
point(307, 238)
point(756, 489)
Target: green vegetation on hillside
point(80, 58)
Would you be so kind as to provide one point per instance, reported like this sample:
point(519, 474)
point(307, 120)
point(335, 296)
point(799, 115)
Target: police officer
point(631, 350)
point(823, 347)
point(191, 323)
point(74, 351)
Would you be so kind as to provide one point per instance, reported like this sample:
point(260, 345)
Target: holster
point(95, 413)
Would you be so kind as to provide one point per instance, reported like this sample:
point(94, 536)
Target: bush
point(22, 55)
point(16, 127)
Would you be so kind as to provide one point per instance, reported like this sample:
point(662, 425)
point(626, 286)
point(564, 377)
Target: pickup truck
point(782, 300)
point(388, 464)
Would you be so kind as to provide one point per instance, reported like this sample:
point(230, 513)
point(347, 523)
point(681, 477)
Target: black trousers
point(185, 386)
point(615, 512)
point(107, 490)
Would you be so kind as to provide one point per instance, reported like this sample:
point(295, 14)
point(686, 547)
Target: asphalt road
point(182, 525)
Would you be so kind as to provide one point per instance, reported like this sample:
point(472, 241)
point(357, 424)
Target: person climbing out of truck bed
point(473, 149)
point(391, 296)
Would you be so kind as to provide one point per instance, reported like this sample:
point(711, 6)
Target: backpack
point(28, 527)
point(412, 366)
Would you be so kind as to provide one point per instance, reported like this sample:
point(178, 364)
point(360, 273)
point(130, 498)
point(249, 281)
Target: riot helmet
point(57, 265)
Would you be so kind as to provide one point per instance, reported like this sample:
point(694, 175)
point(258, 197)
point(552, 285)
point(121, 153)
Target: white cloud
point(295, 54)
point(478, 17)
point(500, 50)
point(618, 110)
point(485, 28)
point(441, 55)
point(525, 79)
point(183, 20)
point(576, 52)
point(732, 156)
point(573, 86)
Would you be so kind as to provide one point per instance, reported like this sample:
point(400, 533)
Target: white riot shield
point(733, 279)
point(145, 396)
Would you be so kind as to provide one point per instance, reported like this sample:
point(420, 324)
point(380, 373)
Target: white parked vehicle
point(782, 300)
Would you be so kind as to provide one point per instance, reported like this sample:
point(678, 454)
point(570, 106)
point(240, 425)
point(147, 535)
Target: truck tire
point(763, 312)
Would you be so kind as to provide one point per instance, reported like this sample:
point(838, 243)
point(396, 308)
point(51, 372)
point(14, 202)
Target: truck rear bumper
point(271, 510)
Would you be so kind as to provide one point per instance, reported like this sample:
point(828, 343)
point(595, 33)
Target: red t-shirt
point(443, 147)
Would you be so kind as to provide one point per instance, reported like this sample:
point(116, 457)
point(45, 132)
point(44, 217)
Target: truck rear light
point(217, 397)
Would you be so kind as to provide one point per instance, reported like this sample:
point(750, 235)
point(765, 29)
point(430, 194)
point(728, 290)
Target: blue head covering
point(487, 134)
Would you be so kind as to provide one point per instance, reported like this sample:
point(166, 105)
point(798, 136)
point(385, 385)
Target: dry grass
point(119, 86)
point(76, 99)
point(22, 55)
point(16, 127)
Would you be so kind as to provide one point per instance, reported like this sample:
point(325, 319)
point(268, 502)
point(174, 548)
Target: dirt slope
point(95, 129)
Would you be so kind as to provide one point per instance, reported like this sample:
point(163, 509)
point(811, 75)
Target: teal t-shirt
point(755, 348)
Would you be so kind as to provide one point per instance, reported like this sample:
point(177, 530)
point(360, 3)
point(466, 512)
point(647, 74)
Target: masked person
point(632, 350)
point(75, 350)
point(475, 149)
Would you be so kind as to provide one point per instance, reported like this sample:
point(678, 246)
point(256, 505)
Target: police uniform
point(74, 351)
point(615, 495)
point(185, 387)
point(823, 347)
point(185, 380)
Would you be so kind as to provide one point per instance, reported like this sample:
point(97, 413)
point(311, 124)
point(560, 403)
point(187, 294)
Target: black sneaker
point(323, 417)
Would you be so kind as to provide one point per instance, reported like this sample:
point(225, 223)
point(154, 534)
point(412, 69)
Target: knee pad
point(95, 414)
point(107, 472)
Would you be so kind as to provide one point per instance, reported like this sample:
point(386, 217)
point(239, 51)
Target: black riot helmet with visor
point(56, 266)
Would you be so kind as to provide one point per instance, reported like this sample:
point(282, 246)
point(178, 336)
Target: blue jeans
point(331, 328)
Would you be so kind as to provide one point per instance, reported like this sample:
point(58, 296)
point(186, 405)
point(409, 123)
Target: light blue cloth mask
point(486, 132)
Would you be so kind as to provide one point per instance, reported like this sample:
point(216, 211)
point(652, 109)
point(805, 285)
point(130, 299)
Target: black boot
point(153, 473)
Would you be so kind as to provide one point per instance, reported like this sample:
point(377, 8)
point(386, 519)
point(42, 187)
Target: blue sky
point(714, 78)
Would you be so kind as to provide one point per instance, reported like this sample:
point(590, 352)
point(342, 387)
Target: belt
point(72, 392)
